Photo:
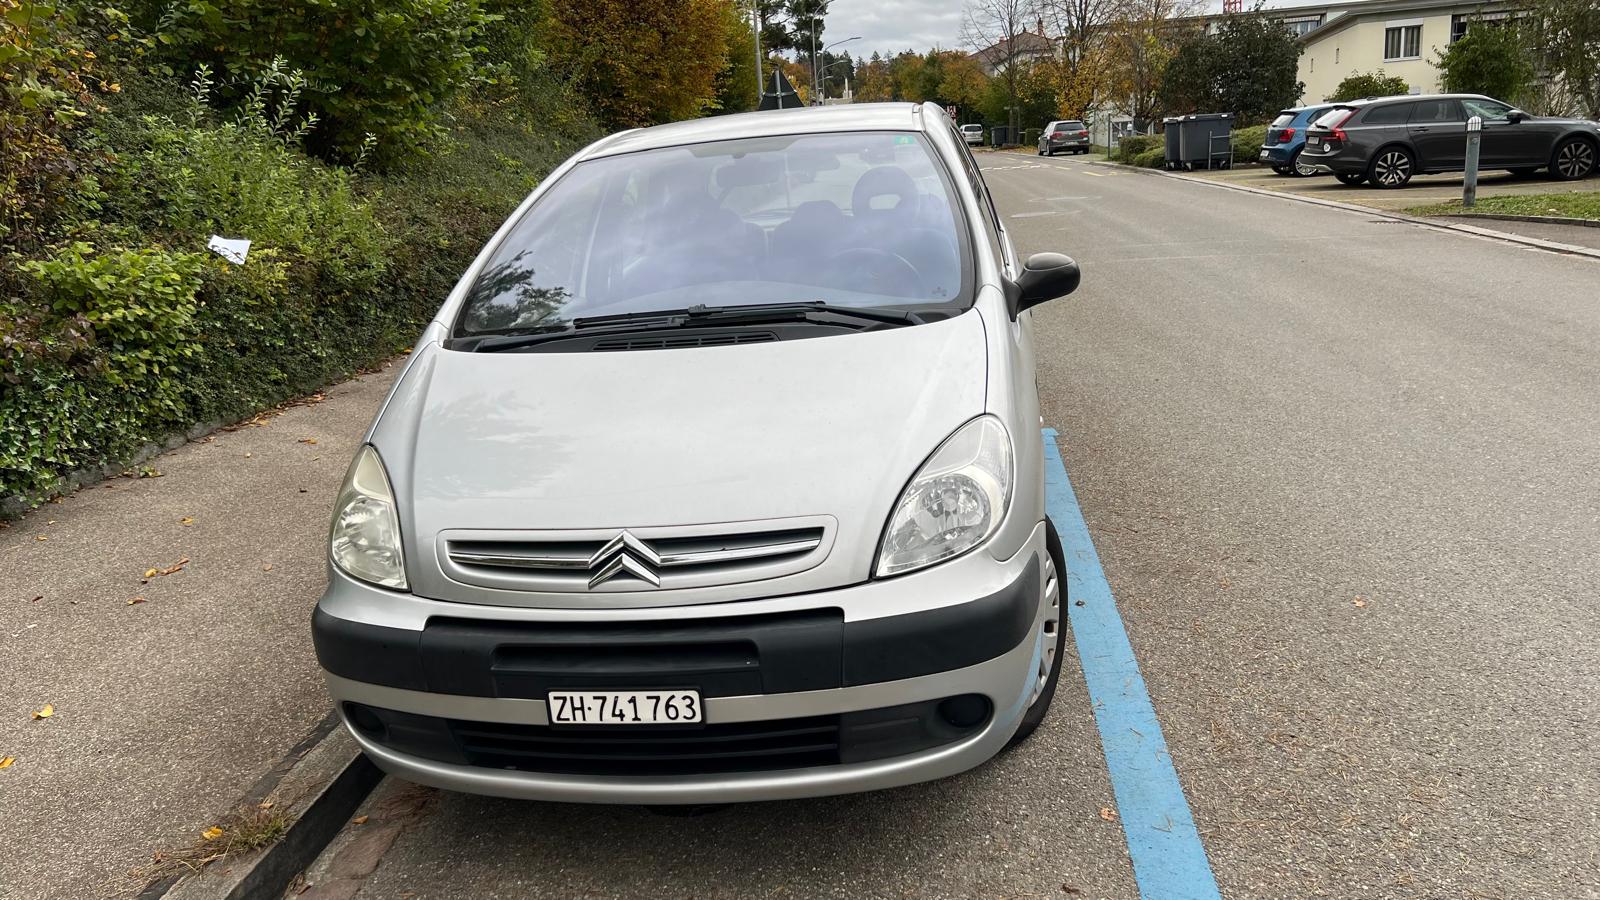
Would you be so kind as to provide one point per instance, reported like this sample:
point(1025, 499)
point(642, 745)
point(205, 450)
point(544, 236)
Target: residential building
point(1396, 37)
point(1021, 49)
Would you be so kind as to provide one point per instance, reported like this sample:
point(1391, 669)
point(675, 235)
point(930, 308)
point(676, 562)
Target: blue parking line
point(1169, 861)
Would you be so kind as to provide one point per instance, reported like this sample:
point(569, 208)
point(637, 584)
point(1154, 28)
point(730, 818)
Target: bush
point(1154, 158)
point(1247, 143)
point(1369, 84)
point(1129, 148)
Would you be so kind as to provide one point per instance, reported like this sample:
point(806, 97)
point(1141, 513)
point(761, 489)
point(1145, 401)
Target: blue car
point(1286, 135)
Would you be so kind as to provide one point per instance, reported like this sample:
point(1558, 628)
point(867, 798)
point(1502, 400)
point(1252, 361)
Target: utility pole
point(755, 28)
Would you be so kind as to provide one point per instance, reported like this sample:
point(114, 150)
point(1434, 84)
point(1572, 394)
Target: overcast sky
point(890, 26)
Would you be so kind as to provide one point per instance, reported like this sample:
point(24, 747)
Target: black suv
point(1389, 139)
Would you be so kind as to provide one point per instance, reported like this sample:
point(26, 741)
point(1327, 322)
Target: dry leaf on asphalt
point(265, 804)
point(48, 711)
point(308, 440)
point(6, 763)
point(186, 520)
point(150, 573)
point(1107, 814)
point(41, 537)
point(136, 601)
point(1359, 602)
point(211, 833)
point(267, 567)
point(359, 820)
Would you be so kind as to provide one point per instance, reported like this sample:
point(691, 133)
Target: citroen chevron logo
point(624, 553)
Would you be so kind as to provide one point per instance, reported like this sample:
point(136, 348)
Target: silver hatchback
point(716, 478)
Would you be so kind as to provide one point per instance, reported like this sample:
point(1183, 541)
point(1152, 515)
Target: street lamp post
point(816, 83)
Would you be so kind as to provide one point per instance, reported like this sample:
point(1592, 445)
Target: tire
point(1055, 582)
point(1041, 152)
point(1297, 170)
point(1575, 158)
point(1350, 178)
point(1391, 168)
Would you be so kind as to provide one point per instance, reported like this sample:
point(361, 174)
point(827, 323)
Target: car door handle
point(1423, 128)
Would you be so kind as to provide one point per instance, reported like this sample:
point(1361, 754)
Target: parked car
point(1068, 134)
point(711, 484)
point(1389, 140)
point(1286, 136)
point(973, 135)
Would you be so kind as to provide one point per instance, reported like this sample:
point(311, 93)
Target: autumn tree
point(1140, 41)
point(963, 83)
point(1568, 35)
point(873, 82)
point(1080, 27)
point(992, 27)
point(641, 62)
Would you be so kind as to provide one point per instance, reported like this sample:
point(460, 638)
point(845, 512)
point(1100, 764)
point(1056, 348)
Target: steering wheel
point(876, 271)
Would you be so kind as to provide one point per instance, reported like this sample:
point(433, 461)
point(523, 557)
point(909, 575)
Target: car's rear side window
point(1425, 111)
point(1283, 119)
point(1387, 114)
point(1332, 117)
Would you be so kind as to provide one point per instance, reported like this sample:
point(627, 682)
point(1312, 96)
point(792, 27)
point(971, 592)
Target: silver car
point(718, 477)
point(1067, 134)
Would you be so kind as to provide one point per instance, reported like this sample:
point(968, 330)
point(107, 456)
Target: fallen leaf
point(38, 598)
point(1107, 814)
point(211, 833)
point(1359, 603)
point(41, 537)
point(48, 711)
point(247, 456)
point(6, 763)
point(308, 440)
point(265, 804)
point(175, 568)
point(267, 567)
point(186, 521)
point(135, 601)
point(359, 820)
point(150, 573)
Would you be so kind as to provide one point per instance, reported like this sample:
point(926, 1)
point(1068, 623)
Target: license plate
point(625, 707)
point(1264, 154)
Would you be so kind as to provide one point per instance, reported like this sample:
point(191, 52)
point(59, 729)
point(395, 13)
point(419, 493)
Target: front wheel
point(1350, 178)
point(1052, 638)
point(1574, 159)
point(1392, 168)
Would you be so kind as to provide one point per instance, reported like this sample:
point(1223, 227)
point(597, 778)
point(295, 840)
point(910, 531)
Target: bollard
point(1469, 187)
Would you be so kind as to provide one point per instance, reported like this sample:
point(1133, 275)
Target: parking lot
point(1348, 516)
point(1423, 189)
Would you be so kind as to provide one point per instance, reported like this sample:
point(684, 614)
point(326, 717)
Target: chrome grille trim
point(645, 560)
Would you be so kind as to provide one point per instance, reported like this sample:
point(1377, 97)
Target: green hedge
point(1129, 149)
point(124, 330)
point(1247, 143)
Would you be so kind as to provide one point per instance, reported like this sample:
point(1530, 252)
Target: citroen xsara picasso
point(718, 477)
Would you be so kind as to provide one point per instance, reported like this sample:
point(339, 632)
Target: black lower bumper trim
point(720, 657)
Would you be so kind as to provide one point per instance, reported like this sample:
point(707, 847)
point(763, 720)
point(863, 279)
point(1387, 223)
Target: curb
point(1552, 246)
point(323, 779)
point(1511, 217)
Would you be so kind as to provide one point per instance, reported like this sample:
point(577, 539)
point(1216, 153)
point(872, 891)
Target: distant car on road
point(1286, 137)
point(1388, 140)
point(1068, 134)
point(972, 134)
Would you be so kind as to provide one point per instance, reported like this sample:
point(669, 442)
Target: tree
point(1567, 33)
point(1369, 84)
point(640, 62)
point(736, 83)
point(1081, 25)
point(964, 84)
point(1491, 58)
point(873, 83)
point(1140, 41)
point(1204, 74)
point(992, 26)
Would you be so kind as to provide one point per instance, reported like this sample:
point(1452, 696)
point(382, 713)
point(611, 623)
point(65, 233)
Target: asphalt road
point(1341, 474)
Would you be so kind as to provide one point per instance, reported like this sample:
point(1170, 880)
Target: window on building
point(1336, 56)
point(1302, 27)
point(1402, 42)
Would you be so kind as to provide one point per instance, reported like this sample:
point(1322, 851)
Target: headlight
point(957, 499)
point(365, 538)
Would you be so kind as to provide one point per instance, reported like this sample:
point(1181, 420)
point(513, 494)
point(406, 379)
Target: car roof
point(803, 120)
point(1368, 101)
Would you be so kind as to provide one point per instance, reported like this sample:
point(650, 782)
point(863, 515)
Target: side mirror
point(1045, 276)
point(1516, 116)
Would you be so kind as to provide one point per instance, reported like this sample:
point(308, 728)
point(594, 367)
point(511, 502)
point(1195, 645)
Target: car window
point(858, 219)
point(1440, 110)
point(1487, 109)
point(1283, 119)
point(1332, 117)
point(1072, 126)
point(1387, 114)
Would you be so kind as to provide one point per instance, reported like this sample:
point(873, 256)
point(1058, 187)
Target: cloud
point(890, 26)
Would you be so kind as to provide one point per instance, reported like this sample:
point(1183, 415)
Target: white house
point(1395, 37)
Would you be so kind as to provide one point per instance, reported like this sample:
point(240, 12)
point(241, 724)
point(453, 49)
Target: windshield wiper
point(699, 315)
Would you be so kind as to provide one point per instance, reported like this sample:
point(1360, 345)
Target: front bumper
point(872, 662)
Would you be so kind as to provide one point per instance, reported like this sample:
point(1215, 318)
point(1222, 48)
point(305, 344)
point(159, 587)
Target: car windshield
point(972, 128)
point(1283, 119)
point(1071, 126)
point(854, 219)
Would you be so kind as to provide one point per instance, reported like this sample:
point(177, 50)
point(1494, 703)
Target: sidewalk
point(165, 710)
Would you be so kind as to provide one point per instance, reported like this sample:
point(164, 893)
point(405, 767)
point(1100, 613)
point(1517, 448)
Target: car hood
point(824, 429)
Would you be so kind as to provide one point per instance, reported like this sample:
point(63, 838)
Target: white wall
point(1359, 48)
